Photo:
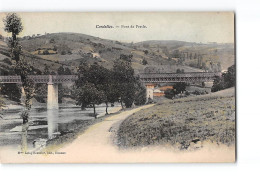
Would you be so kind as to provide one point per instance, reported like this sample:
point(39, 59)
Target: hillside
point(211, 53)
point(70, 49)
point(37, 62)
point(185, 123)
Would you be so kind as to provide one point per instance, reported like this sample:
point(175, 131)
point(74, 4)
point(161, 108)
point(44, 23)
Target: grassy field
point(185, 123)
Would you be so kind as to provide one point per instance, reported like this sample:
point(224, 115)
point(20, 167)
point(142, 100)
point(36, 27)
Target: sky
point(200, 27)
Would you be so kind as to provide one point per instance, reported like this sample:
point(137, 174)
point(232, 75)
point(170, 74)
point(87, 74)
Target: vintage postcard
point(117, 87)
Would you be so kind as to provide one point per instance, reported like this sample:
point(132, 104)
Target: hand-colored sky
point(193, 27)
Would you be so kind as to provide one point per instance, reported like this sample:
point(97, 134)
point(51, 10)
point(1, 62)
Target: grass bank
point(185, 123)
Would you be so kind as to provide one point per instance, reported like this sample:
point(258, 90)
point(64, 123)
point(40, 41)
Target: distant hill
point(36, 61)
point(69, 49)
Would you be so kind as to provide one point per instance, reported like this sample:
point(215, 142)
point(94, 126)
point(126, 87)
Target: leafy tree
point(12, 91)
point(13, 25)
point(46, 70)
point(218, 84)
point(230, 77)
point(226, 80)
point(89, 95)
point(61, 70)
point(101, 78)
point(109, 88)
point(40, 92)
point(125, 79)
point(67, 71)
point(179, 87)
point(140, 94)
point(180, 70)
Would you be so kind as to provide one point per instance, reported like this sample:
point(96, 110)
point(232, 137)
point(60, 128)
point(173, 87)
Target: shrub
point(63, 52)
point(187, 93)
point(144, 62)
point(45, 52)
point(169, 93)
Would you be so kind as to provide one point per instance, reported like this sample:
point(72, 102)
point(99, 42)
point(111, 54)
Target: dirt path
point(96, 146)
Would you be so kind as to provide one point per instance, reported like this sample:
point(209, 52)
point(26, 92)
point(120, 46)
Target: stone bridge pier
point(52, 97)
point(149, 91)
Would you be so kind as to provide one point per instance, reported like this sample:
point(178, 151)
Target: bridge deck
point(40, 78)
point(144, 77)
point(178, 77)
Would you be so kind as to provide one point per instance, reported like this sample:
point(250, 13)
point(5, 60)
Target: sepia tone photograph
point(117, 87)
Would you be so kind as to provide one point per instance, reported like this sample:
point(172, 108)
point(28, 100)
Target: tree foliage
point(13, 91)
point(140, 94)
point(89, 95)
point(144, 62)
point(109, 86)
point(169, 93)
point(12, 24)
point(125, 79)
point(226, 80)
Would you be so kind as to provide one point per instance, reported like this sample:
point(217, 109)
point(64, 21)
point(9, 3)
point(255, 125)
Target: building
point(159, 92)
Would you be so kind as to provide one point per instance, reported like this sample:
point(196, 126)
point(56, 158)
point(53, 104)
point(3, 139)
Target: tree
point(226, 80)
point(180, 86)
point(218, 84)
point(46, 70)
point(125, 79)
point(89, 95)
point(13, 25)
point(12, 91)
point(144, 62)
point(61, 70)
point(140, 94)
point(180, 70)
point(109, 88)
point(169, 93)
point(67, 71)
point(230, 77)
point(101, 78)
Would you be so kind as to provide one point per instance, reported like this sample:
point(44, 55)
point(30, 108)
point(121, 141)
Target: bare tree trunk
point(106, 107)
point(122, 104)
point(94, 111)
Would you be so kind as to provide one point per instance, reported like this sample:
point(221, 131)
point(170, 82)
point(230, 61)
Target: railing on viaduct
point(40, 78)
point(144, 77)
point(178, 77)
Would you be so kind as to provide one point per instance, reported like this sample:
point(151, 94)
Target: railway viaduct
point(149, 79)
